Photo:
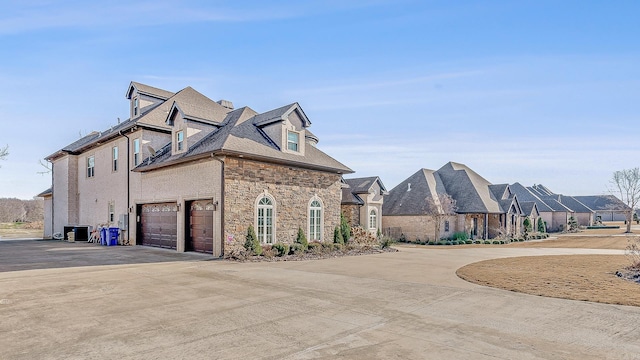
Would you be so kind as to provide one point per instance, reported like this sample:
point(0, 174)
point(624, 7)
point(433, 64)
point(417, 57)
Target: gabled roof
point(410, 196)
point(543, 190)
point(148, 90)
point(602, 203)
point(238, 134)
point(364, 184)
point(529, 208)
point(573, 204)
point(554, 204)
point(501, 191)
point(524, 194)
point(349, 198)
point(470, 190)
point(281, 114)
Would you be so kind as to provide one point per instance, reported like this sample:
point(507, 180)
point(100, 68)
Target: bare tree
point(440, 208)
point(46, 166)
point(627, 186)
point(4, 152)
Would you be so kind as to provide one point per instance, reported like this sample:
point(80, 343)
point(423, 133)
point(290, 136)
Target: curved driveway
point(404, 305)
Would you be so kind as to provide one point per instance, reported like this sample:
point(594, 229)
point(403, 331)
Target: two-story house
point(189, 173)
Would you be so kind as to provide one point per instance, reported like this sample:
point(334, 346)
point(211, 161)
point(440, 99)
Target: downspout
point(486, 226)
point(128, 185)
point(221, 205)
point(53, 208)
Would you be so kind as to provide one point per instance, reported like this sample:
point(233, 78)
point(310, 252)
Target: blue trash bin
point(103, 236)
point(114, 232)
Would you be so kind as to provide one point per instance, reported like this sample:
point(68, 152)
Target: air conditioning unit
point(123, 222)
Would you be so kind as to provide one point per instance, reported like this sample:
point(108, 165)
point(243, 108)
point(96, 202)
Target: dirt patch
point(575, 277)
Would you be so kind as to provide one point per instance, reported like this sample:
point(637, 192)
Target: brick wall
point(352, 213)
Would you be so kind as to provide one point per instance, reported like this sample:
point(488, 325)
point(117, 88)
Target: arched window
point(265, 219)
point(315, 220)
point(373, 219)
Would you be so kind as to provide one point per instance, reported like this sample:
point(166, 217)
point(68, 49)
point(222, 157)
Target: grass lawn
point(576, 277)
point(21, 231)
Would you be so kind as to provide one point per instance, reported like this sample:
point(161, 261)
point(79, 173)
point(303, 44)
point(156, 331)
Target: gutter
point(128, 185)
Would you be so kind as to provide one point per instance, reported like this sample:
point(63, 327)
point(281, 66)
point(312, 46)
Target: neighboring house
point(606, 207)
point(545, 211)
point(530, 210)
point(47, 196)
point(189, 173)
point(581, 213)
point(362, 200)
point(483, 210)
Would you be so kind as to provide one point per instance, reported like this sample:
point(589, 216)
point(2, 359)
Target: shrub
point(281, 249)
point(520, 240)
point(251, 244)
point(487, 242)
point(542, 226)
point(337, 236)
point(460, 235)
point(315, 247)
point(269, 252)
point(633, 252)
point(345, 229)
point(442, 243)
point(362, 238)
point(337, 247)
point(431, 242)
point(296, 249)
point(468, 242)
point(302, 239)
point(527, 225)
point(477, 241)
point(502, 242)
point(496, 242)
point(402, 238)
point(386, 241)
point(449, 243)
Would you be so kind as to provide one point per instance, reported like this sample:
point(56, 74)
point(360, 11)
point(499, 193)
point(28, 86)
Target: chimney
point(408, 187)
point(226, 103)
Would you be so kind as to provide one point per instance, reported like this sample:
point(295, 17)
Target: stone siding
point(292, 188)
point(352, 214)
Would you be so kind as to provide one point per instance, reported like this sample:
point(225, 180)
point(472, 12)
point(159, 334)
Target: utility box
point(123, 222)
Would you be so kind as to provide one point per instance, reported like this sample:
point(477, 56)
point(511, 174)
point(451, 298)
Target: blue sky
point(538, 92)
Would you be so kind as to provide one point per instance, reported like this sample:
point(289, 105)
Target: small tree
point(345, 229)
point(627, 187)
point(440, 207)
point(251, 243)
point(527, 224)
point(302, 239)
point(337, 236)
point(542, 226)
point(573, 224)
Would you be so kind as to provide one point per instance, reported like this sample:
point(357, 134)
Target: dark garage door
point(159, 225)
point(200, 237)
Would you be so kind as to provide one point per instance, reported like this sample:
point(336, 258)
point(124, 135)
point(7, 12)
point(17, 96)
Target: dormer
point(144, 98)
point(286, 126)
point(186, 129)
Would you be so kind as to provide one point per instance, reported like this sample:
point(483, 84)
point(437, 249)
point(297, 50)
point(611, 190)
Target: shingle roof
point(528, 207)
point(46, 193)
point(349, 198)
point(524, 194)
point(195, 106)
point(573, 204)
point(602, 202)
point(239, 134)
point(363, 184)
point(555, 204)
point(150, 90)
point(410, 196)
point(470, 190)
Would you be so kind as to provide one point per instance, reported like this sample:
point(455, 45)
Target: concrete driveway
point(404, 305)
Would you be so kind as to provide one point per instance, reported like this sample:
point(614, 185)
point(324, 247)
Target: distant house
point(192, 174)
point(483, 210)
point(47, 196)
point(606, 207)
point(362, 201)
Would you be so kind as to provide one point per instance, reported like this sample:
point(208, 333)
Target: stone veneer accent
point(352, 213)
point(291, 187)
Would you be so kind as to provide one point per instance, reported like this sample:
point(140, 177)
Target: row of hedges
point(453, 241)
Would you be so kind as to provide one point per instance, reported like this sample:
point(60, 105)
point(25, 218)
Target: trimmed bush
point(431, 242)
point(345, 229)
point(302, 238)
point(477, 241)
point(296, 248)
point(281, 249)
point(251, 243)
point(468, 242)
point(337, 236)
point(496, 242)
point(442, 243)
point(487, 242)
point(460, 235)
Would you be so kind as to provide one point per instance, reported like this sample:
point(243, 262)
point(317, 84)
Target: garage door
point(200, 237)
point(159, 225)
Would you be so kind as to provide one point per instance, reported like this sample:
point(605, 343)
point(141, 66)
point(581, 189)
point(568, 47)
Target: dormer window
point(293, 141)
point(180, 140)
point(136, 105)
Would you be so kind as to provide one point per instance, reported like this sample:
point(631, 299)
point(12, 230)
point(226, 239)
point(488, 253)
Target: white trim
point(375, 211)
point(321, 209)
point(272, 207)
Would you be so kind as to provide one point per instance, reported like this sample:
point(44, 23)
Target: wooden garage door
point(159, 225)
point(201, 227)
